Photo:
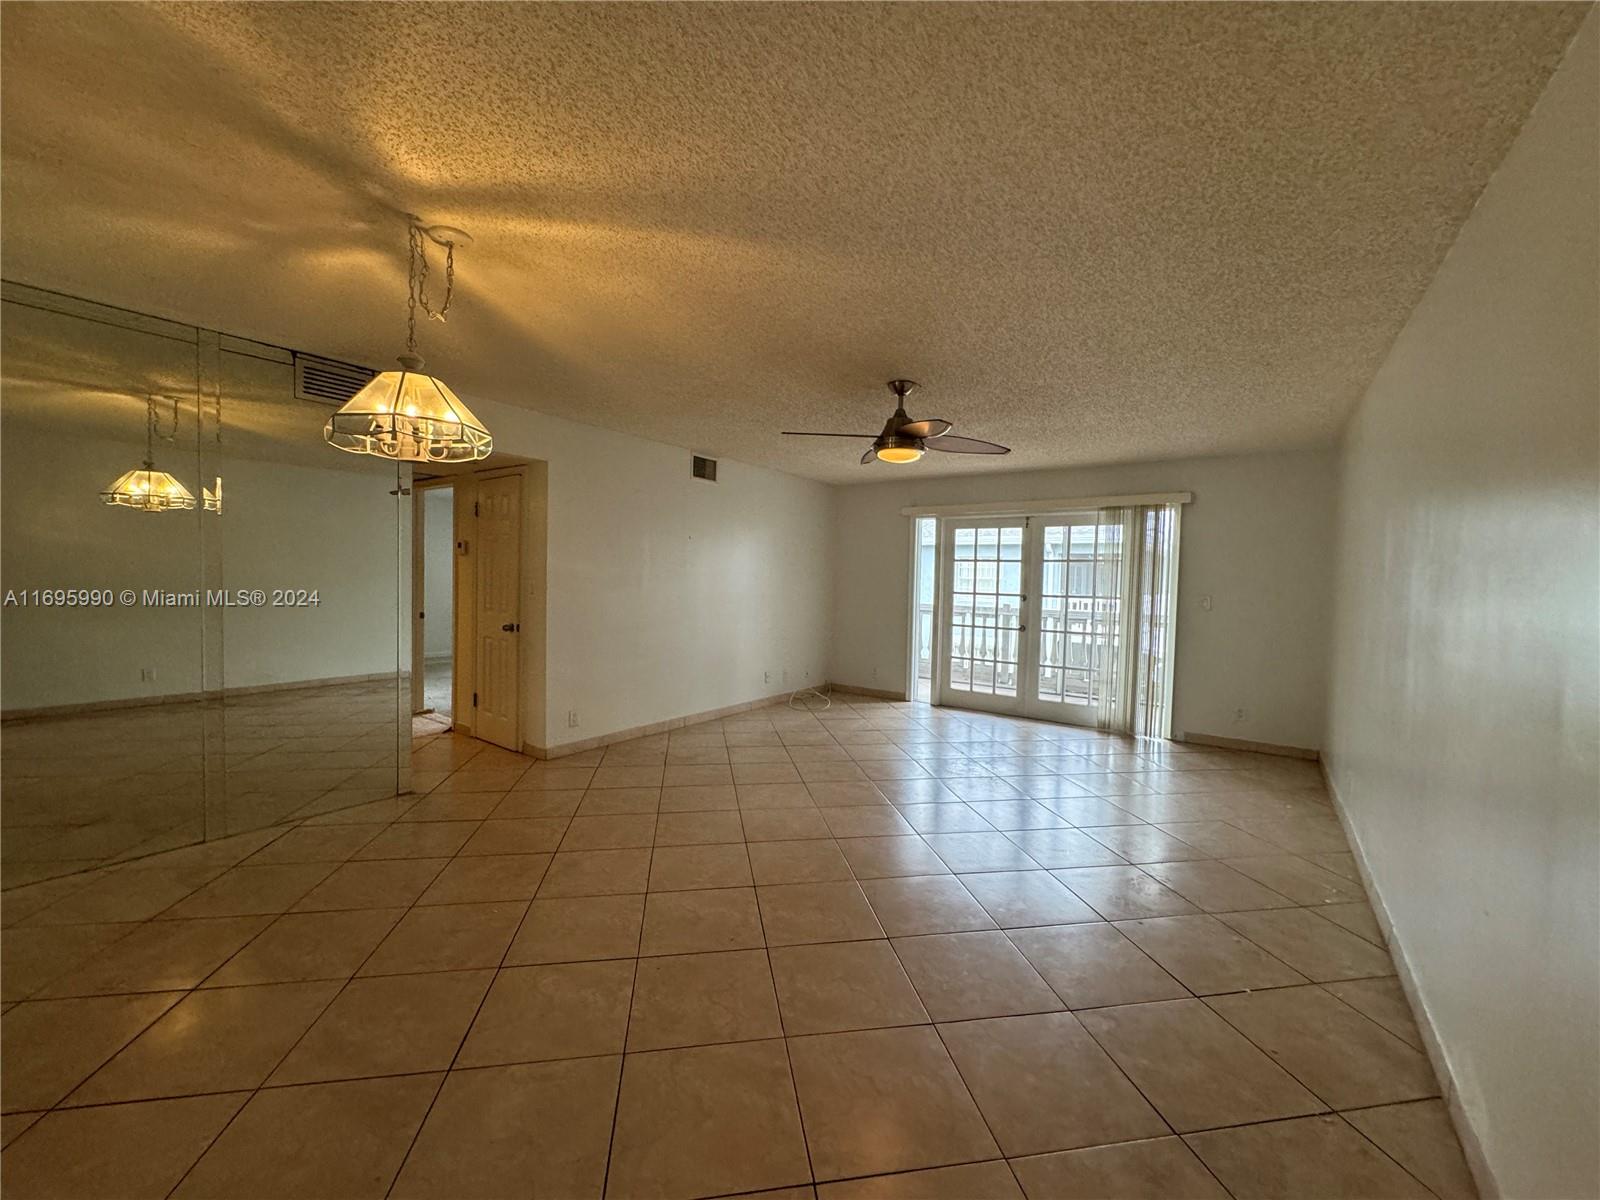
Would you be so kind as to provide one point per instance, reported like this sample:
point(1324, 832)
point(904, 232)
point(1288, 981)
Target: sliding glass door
point(1032, 612)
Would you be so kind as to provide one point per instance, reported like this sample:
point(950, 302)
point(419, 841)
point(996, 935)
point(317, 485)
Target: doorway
point(467, 626)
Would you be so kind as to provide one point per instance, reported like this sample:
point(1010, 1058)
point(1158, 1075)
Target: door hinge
point(474, 699)
point(474, 508)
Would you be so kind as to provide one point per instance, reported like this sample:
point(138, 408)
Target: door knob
point(509, 628)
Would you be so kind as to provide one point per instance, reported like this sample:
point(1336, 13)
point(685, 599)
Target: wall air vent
point(705, 468)
point(327, 380)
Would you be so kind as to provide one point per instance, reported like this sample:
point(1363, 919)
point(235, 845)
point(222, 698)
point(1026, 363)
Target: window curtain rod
point(1016, 508)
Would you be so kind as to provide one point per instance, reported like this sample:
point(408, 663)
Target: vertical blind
point(1135, 666)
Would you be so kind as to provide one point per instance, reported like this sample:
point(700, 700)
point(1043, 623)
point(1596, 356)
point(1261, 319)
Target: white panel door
point(982, 646)
point(498, 675)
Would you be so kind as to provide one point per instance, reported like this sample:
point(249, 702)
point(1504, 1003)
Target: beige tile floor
point(879, 951)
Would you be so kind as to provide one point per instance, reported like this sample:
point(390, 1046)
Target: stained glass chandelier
point(146, 488)
point(408, 415)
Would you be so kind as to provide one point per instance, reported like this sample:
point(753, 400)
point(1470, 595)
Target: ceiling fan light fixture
point(408, 416)
point(903, 440)
point(906, 453)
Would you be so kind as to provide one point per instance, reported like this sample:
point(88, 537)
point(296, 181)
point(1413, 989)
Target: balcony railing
point(984, 648)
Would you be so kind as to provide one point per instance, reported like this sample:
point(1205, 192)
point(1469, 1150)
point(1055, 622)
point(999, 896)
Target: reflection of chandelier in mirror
point(407, 415)
point(148, 489)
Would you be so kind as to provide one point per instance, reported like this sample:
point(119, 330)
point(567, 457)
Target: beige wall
point(1257, 539)
point(1463, 719)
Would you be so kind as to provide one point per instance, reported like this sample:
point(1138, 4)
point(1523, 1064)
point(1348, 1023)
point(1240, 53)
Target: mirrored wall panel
point(202, 625)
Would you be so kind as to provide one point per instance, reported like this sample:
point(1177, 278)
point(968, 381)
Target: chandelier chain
point(152, 427)
point(418, 281)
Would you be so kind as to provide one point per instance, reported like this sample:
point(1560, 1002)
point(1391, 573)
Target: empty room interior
point(862, 601)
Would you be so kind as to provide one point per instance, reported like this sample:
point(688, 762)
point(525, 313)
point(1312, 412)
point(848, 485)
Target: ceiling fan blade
point(965, 445)
point(931, 428)
point(872, 453)
point(793, 433)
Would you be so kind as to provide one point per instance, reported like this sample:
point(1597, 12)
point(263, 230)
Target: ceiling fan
point(904, 440)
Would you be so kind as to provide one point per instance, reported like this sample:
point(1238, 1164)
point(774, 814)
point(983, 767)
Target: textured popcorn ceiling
point(1094, 232)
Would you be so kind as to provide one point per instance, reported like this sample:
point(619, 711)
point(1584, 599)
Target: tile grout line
point(322, 1012)
point(60, 1103)
point(783, 1033)
point(943, 1045)
point(466, 1031)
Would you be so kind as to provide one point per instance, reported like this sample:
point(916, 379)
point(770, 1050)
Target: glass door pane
point(1079, 614)
point(984, 613)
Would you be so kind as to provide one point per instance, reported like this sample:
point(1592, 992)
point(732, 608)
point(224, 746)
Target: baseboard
point(562, 749)
point(1466, 1132)
point(875, 693)
point(99, 706)
point(1227, 743)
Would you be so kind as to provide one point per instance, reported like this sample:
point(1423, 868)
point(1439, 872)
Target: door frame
point(464, 593)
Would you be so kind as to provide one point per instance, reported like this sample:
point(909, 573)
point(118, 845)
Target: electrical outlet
point(1238, 715)
point(1205, 602)
point(572, 718)
point(766, 677)
point(147, 674)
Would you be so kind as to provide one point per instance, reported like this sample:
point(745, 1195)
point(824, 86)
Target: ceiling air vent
point(705, 468)
point(326, 380)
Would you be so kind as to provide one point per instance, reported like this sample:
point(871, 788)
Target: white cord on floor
point(803, 706)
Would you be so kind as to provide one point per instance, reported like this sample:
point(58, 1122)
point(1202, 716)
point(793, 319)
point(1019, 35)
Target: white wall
point(59, 535)
point(667, 595)
point(438, 572)
point(1463, 730)
point(339, 532)
point(282, 526)
point(1257, 539)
